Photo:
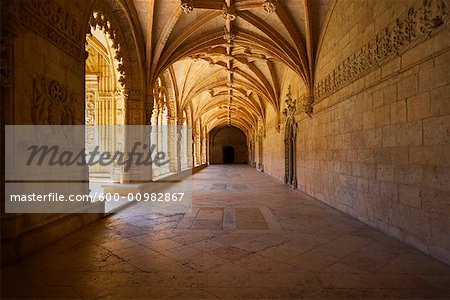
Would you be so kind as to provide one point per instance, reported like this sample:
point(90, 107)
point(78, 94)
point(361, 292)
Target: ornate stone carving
point(228, 36)
point(290, 135)
point(186, 6)
point(54, 23)
point(408, 30)
point(99, 19)
point(270, 6)
point(262, 129)
point(52, 103)
point(169, 91)
point(228, 13)
point(278, 128)
point(308, 105)
point(133, 95)
point(180, 152)
point(90, 108)
point(134, 112)
point(291, 104)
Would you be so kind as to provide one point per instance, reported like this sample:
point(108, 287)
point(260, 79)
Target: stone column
point(180, 150)
point(172, 147)
point(154, 133)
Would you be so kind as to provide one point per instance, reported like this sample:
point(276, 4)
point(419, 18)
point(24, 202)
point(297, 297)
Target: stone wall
point(48, 57)
point(273, 147)
point(46, 47)
point(378, 144)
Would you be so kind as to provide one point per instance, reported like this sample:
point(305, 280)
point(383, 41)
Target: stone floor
point(248, 236)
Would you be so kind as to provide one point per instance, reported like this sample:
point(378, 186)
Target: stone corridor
point(236, 243)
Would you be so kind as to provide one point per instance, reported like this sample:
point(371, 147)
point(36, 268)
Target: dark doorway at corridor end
point(228, 145)
point(228, 155)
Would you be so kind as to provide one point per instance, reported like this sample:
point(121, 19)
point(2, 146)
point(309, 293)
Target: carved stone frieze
point(50, 20)
point(52, 103)
point(406, 31)
point(133, 95)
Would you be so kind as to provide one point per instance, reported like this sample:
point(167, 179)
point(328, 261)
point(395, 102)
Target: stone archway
point(114, 19)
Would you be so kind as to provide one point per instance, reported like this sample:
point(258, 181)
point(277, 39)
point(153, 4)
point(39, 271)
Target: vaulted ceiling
point(227, 58)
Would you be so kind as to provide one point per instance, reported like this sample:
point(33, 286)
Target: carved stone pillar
point(260, 147)
point(180, 152)
point(190, 149)
point(204, 150)
point(172, 150)
point(154, 133)
point(154, 124)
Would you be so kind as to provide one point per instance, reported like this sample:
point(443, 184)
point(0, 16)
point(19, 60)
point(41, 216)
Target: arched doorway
point(228, 155)
point(104, 98)
point(114, 85)
point(290, 176)
point(290, 136)
point(227, 145)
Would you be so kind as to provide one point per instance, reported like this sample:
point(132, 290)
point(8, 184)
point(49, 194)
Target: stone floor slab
point(234, 244)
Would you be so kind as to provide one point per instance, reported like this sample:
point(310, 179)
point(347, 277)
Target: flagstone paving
point(247, 236)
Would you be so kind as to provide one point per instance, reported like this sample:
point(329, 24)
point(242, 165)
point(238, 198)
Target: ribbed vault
point(227, 58)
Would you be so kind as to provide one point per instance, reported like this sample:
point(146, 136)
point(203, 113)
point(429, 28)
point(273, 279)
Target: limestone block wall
point(378, 147)
point(47, 62)
point(273, 147)
point(46, 56)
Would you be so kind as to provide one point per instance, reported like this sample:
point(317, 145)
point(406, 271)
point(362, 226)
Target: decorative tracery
point(100, 21)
